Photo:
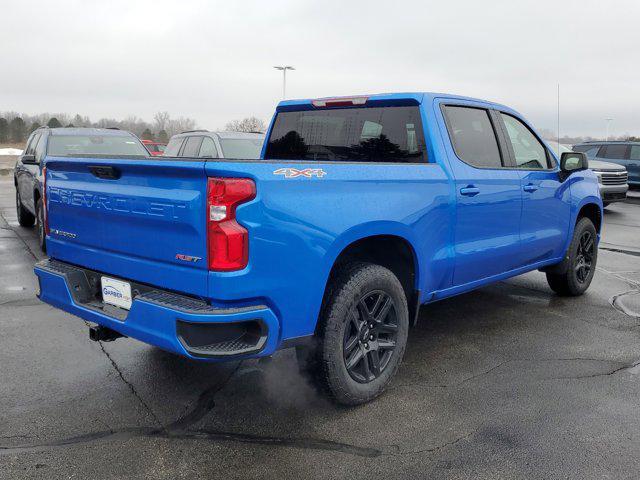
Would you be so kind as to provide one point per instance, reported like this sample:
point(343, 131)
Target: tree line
point(16, 128)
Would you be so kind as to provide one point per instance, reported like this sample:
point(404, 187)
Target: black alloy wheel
point(584, 256)
point(370, 336)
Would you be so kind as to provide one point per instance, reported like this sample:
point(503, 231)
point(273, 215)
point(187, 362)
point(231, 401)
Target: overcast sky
point(213, 61)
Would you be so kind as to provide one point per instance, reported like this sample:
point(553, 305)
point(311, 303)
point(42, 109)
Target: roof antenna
point(558, 120)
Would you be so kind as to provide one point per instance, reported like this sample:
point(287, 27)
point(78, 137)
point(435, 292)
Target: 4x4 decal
point(294, 172)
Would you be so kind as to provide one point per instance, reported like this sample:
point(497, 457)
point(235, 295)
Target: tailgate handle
point(105, 171)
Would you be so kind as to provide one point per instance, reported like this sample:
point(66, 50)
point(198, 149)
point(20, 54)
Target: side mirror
point(29, 160)
point(573, 161)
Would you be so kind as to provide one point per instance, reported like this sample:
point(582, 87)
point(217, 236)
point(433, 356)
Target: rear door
point(488, 195)
point(140, 219)
point(545, 199)
point(633, 165)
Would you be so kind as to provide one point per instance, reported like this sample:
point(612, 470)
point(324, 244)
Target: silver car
point(205, 144)
point(611, 176)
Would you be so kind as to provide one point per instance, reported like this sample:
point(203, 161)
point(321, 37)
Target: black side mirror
point(573, 161)
point(29, 160)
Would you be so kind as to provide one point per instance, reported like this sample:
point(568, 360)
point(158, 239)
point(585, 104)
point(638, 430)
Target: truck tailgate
point(142, 220)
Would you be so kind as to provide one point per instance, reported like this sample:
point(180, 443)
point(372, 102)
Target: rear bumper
point(173, 322)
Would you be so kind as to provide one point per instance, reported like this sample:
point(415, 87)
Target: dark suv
point(62, 142)
point(626, 154)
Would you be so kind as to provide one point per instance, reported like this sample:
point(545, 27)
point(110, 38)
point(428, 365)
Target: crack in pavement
point(131, 387)
point(436, 448)
point(180, 430)
point(623, 366)
point(204, 434)
point(620, 250)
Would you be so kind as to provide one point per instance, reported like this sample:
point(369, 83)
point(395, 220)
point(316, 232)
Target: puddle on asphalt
point(627, 303)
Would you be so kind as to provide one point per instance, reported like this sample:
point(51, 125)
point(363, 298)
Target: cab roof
point(378, 99)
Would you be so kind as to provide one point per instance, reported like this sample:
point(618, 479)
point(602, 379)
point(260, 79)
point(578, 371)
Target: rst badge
point(187, 258)
point(306, 173)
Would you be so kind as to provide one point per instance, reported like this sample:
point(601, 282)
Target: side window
point(635, 152)
point(473, 137)
point(615, 151)
point(208, 148)
point(529, 152)
point(592, 152)
point(191, 147)
point(31, 144)
point(173, 147)
point(40, 148)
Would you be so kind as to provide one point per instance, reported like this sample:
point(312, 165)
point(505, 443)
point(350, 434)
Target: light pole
point(284, 69)
point(608, 120)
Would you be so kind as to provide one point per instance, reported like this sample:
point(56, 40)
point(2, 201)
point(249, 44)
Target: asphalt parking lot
point(509, 381)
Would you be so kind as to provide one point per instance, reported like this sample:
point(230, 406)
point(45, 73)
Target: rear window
point(241, 147)
point(384, 134)
point(615, 151)
point(71, 145)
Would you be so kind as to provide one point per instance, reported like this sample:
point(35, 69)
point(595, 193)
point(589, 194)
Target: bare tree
point(161, 120)
point(249, 124)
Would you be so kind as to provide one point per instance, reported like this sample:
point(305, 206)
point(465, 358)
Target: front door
point(545, 199)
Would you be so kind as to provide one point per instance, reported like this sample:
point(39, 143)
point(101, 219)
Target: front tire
point(42, 236)
point(25, 217)
point(581, 262)
point(362, 333)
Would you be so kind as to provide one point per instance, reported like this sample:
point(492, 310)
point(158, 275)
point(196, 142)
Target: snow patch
point(10, 151)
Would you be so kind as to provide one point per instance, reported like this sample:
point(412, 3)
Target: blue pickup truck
point(359, 210)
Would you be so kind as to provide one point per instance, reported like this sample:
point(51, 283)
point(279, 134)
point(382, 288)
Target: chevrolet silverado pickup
point(359, 210)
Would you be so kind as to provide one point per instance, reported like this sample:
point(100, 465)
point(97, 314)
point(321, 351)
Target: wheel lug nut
point(366, 345)
point(370, 337)
point(371, 325)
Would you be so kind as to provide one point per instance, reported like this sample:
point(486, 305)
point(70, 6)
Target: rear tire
point(42, 237)
point(581, 261)
point(362, 334)
point(605, 204)
point(25, 217)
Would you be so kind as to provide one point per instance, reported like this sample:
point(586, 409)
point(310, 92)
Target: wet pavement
point(509, 381)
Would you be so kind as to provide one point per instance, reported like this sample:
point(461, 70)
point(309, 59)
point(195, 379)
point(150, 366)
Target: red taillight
point(228, 241)
point(45, 214)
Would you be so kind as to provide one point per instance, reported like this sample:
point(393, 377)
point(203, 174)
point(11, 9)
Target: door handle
point(469, 191)
point(530, 188)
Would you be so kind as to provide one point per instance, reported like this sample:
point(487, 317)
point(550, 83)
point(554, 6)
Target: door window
point(473, 137)
point(592, 152)
point(528, 151)
point(615, 151)
point(31, 144)
point(208, 148)
point(40, 147)
point(635, 152)
point(191, 147)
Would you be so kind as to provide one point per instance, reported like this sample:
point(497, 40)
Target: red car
point(154, 148)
